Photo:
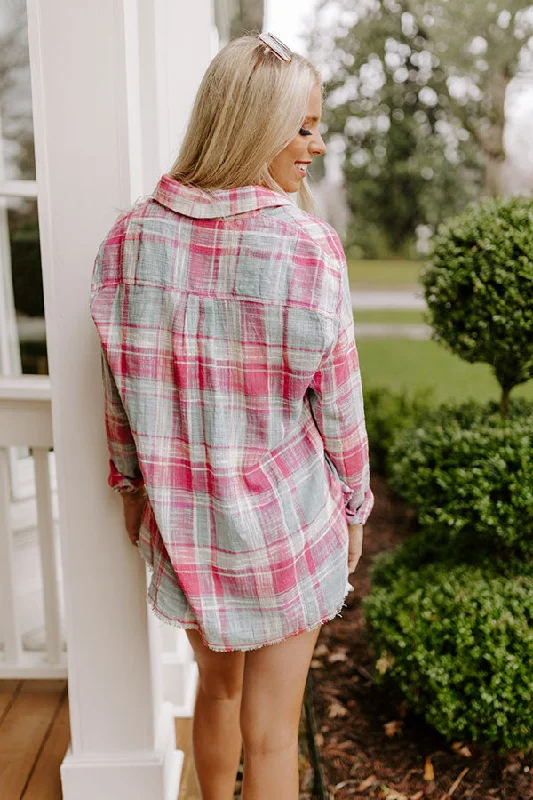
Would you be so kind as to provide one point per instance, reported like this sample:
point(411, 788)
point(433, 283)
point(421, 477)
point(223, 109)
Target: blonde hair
point(249, 106)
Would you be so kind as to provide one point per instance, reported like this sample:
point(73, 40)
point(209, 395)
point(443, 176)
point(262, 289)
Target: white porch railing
point(32, 644)
point(32, 631)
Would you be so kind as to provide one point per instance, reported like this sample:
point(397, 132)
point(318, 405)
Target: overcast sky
point(286, 19)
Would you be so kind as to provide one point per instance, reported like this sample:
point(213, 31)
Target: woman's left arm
point(125, 475)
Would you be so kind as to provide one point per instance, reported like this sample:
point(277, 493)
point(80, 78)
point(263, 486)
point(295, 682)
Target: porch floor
point(34, 736)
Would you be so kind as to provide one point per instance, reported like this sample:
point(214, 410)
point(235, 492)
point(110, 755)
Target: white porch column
point(89, 167)
point(187, 42)
point(176, 43)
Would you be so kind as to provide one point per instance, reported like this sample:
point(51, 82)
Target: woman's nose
point(317, 146)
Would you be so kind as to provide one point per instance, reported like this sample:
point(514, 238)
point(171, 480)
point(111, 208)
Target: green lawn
point(404, 364)
point(390, 317)
point(384, 274)
point(407, 364)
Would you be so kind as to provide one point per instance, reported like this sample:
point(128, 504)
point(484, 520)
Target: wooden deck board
point(45, 781)
point(23, 732)
point(189, 789)
point(8, 692)
point(34, 736)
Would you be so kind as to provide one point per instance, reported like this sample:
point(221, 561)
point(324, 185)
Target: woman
point(234, 411)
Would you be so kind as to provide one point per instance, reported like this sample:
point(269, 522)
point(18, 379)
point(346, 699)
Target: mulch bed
point(370, 745)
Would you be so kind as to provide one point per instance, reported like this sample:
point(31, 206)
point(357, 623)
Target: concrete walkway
point(376, 299)
point(386, 300)
point(364, 330)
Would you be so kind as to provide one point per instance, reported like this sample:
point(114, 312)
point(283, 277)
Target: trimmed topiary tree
point(478, 284)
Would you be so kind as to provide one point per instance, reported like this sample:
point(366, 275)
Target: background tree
point(415, 95)
point(16, 129)
point(237, 17)
point(16, 126)
point(248, 16)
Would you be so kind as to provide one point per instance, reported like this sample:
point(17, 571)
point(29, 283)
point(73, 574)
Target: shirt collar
point(194, 202)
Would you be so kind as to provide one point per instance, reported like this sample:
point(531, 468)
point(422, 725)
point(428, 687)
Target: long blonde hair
point(249, 106)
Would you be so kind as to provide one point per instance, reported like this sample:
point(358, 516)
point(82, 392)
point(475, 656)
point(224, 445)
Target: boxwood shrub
point(387, 413)
point(421, 549)
point(469, 474)
point(458, 643)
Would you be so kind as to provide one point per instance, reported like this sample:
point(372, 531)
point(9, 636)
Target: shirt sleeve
point(124, 471)
point(336, 400)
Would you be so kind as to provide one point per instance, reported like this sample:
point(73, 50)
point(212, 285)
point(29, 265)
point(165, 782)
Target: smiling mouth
point(302, 168)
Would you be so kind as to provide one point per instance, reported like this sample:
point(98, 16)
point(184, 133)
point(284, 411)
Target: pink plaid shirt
point(233, 393)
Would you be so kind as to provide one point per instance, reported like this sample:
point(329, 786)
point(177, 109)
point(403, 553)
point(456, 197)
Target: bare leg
point(217, 740)
point(273, 690)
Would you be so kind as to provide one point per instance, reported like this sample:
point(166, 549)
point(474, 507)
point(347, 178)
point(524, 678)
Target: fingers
point(355, 546)
point(133, 532)
point(133, 510)
point(353, 561)
point(133, 537)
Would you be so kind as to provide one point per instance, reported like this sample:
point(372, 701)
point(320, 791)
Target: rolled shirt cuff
point(357, 512)
point(122, 483)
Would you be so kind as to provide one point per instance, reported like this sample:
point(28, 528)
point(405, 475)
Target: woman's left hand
point(355, 546)
point(133, 505)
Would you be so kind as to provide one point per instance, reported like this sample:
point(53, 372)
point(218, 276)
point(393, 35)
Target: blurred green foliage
point(415, 95)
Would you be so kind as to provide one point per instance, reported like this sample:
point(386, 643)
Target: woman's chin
point(291, 186)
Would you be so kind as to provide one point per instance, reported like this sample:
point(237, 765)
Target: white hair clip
point(278, 48)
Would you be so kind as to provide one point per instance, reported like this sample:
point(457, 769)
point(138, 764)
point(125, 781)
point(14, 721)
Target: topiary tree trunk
point(504, 401)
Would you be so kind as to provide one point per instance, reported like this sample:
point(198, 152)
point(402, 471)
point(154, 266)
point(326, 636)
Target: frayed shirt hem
point(242, 647)
point(176, 623)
